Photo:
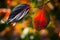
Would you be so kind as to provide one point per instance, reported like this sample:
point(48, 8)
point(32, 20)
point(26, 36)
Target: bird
point(41, 19)
point(18, 13)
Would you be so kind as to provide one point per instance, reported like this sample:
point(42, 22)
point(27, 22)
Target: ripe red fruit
point(41, 20)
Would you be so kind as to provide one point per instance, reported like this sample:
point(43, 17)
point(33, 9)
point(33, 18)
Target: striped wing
point(18, 13)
